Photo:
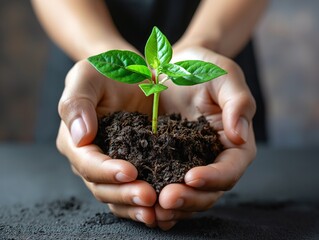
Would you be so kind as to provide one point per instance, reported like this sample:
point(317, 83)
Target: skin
point(87, 29)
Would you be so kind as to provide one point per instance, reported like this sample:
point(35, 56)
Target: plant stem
point(155, 112)
point(155, 105)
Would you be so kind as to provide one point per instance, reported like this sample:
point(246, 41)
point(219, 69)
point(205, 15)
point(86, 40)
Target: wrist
point(97, 47)
point(198, 40)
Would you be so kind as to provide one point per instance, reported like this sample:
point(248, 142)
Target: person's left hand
point(228, 105)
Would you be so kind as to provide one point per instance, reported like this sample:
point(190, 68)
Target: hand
point(229, 106)
point(88, 94)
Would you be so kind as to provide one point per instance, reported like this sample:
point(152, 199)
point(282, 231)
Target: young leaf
point(151, 88)
point(173, 70)
point(158, 50)
point(141, 69)
point(200, 72)
point(113, 64)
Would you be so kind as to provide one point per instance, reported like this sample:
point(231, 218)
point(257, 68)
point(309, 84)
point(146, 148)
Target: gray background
point(287, 43)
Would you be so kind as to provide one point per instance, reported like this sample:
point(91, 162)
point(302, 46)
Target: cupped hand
point(86, 96)
point(228, 105)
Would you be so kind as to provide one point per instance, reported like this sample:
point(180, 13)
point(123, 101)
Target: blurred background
point(287, 45)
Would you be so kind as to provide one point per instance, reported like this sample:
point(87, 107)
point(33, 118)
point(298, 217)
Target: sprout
point(129, 67)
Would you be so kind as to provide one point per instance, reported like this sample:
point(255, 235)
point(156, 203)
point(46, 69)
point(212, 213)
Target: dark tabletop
point(40, 198)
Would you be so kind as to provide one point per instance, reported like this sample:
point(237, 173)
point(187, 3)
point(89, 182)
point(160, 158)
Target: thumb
point(237, 117)
point(238, 106)
point(77, 104)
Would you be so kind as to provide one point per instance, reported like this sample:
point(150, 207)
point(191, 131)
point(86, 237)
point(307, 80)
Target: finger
point(137, 193)
point(167, 218)
point(165, 226)
point(168, 215)
point(78, 102)
point(96, 167)
point(225, 172)
point(139, 214)
point(225, 140)
point(237, 103)
point(91, 164)
point(215, 121)
point(185, 198)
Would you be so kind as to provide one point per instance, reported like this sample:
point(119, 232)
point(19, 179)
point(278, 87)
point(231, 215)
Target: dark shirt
point(136, 18)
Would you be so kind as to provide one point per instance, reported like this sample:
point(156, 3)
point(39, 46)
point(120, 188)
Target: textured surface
point(74, 219)
point(162, 158)
point(40, 198)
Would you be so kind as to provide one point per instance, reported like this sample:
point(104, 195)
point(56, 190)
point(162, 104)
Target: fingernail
point(138, 201)
point(165, 226)
point(196, 183)
point(178, 203)
point(241, 129)
point(78, 130)
point(121, 177)
point(139, 217)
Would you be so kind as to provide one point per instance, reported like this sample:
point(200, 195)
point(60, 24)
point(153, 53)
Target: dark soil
point(161, 158)
point(74, 218)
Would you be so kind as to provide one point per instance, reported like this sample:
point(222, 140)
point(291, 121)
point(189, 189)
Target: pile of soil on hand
point(161, 158)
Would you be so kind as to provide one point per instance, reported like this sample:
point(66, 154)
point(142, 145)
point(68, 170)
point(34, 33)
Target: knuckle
point(231, 183)
point(251, 103)
point(228, 182)
point(111, 207)
point(84, 172)
point(208, 206)
point(67, 105)
point(248, 101)
point(203, 206)
point(60, 141)
point(118, 212)
point(125, 198)
point(59, 145)
point(62, 106)
point(96, 194)
point(74, 170)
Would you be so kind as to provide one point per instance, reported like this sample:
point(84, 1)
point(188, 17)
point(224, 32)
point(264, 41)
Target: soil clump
point(161, 158)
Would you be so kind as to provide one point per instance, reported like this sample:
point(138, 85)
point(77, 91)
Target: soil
point(161, 158)
point(73, 218)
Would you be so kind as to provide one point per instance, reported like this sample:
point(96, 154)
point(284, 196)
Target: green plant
point(129, 67)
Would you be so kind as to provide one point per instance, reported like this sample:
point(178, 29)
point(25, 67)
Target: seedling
point(129, 67)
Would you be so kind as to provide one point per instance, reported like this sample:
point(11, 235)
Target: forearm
point(80, 27)
point(223, 26)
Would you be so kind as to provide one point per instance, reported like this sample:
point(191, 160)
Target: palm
point(225, 99)
point(191, 102)
point(112, 96)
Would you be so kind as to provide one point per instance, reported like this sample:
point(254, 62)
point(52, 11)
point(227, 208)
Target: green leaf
point(174, 70)
point(200, 72)
point(140, 69)
point(113, 64)
point(151, 88)
point(158, 50)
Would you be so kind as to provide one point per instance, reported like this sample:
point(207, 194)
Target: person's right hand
point(88, 94)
